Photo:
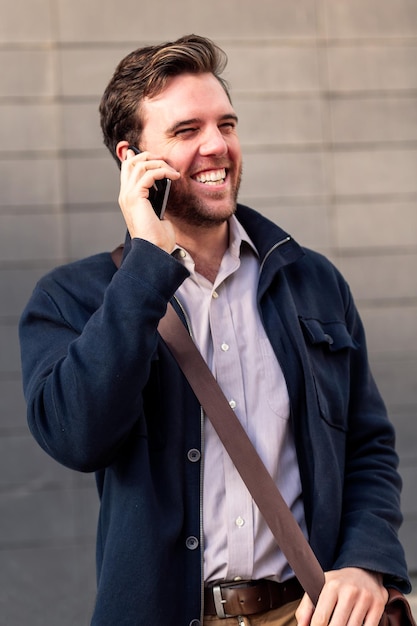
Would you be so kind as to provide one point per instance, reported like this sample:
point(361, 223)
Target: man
point(278, 327)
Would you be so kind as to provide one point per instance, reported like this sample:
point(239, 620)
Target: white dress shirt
point(227, 329)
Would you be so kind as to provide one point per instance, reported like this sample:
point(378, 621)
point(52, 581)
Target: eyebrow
point(197, 120)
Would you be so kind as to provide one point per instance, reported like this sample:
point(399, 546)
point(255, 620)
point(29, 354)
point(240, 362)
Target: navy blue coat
point(104, 395)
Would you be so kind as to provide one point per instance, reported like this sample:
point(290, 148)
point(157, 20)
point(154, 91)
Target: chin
point(196, 211)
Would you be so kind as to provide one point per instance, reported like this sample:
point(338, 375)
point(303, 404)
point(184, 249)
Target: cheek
point(181, 157)
point(235, 153)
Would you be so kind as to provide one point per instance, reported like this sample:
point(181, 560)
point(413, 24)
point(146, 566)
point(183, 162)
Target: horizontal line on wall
point(313, 94)
point(247, 148)
point(375, 198)
point(55, 543)
point(318, 40)
point(31, 209)
point(59, 209)
point(401, 411)
point(315, 40)
point(11, 376)
point(16, 431)
point(49, 99)
point(393, 357)
point(387, 303)
point(29, 264)
point(330, 199)
point(330, 147)
point(259, 202)
point(53, 153)
point(47, 485)
point(342, 252)
point(380, 355)
point(374, 146)
point(8, 320)
point(323, 94)
point(406, 461)
point(259, 148)
point(365, 94)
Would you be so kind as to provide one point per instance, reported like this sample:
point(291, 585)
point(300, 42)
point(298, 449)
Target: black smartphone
point(158, 193)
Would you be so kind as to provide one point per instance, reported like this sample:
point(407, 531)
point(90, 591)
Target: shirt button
point(225, 347)
point(194, 455)
point(215, 295)
point(191, 543)
point(232, 404)
point(183, 254)
point(240, 522)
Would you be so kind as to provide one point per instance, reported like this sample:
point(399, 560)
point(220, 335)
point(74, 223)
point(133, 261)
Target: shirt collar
point(237, 236)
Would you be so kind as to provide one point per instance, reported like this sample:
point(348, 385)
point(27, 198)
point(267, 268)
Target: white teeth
point(212, 177)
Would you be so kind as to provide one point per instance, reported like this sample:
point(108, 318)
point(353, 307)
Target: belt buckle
point(219, 602)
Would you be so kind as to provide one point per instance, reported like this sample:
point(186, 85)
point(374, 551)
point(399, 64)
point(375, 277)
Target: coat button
point(329, 339)
point(191, 543)
point(195, 622)
point(194, 455)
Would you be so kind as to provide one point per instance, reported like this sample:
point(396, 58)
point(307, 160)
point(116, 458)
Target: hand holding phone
point(158, 193)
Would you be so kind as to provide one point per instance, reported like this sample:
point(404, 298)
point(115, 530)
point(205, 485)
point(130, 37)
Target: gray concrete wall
point(326, 91)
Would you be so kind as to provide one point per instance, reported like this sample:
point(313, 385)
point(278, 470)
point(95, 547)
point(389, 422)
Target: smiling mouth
point(212, 177)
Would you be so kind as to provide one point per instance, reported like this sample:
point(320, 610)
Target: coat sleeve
point(346, 442)
point(371, 513)
point(85, 362)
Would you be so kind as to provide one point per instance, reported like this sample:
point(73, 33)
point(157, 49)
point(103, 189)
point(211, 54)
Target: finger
point(160, 169)
point(325, 608)
point(336, 609)
point(373, 614)
point(304, 611)
point(139, 166)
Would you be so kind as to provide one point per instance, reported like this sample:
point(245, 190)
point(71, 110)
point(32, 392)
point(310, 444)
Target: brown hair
point(145, 73)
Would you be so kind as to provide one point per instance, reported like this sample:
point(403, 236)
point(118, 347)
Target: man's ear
point(121, 150)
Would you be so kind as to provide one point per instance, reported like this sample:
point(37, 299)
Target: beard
point(195, 210)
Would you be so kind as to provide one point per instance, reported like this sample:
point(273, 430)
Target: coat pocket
point(329, 346)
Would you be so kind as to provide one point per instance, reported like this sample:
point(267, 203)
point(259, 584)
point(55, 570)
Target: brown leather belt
point(247, 597)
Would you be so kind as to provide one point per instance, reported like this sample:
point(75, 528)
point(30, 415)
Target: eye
point(228, 126)
point(184, 132)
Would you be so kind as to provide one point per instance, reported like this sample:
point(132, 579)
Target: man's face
point(192, 126)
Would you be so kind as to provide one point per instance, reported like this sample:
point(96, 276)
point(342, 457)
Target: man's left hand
point(350, 597)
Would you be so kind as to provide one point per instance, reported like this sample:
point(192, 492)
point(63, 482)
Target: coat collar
point(269, 239)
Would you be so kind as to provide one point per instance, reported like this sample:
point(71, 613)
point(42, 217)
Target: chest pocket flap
point(334, 334)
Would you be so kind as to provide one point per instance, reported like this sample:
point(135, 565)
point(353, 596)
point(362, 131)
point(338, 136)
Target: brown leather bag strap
point(260, 484)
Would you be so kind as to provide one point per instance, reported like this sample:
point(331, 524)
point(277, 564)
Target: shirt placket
point(226, 363)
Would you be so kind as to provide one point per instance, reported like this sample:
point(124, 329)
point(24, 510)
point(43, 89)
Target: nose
point(213, 143)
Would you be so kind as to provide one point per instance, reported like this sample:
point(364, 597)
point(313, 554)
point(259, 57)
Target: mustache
point(211, 165)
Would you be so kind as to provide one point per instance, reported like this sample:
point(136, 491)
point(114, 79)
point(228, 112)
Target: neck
point(206, 246)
